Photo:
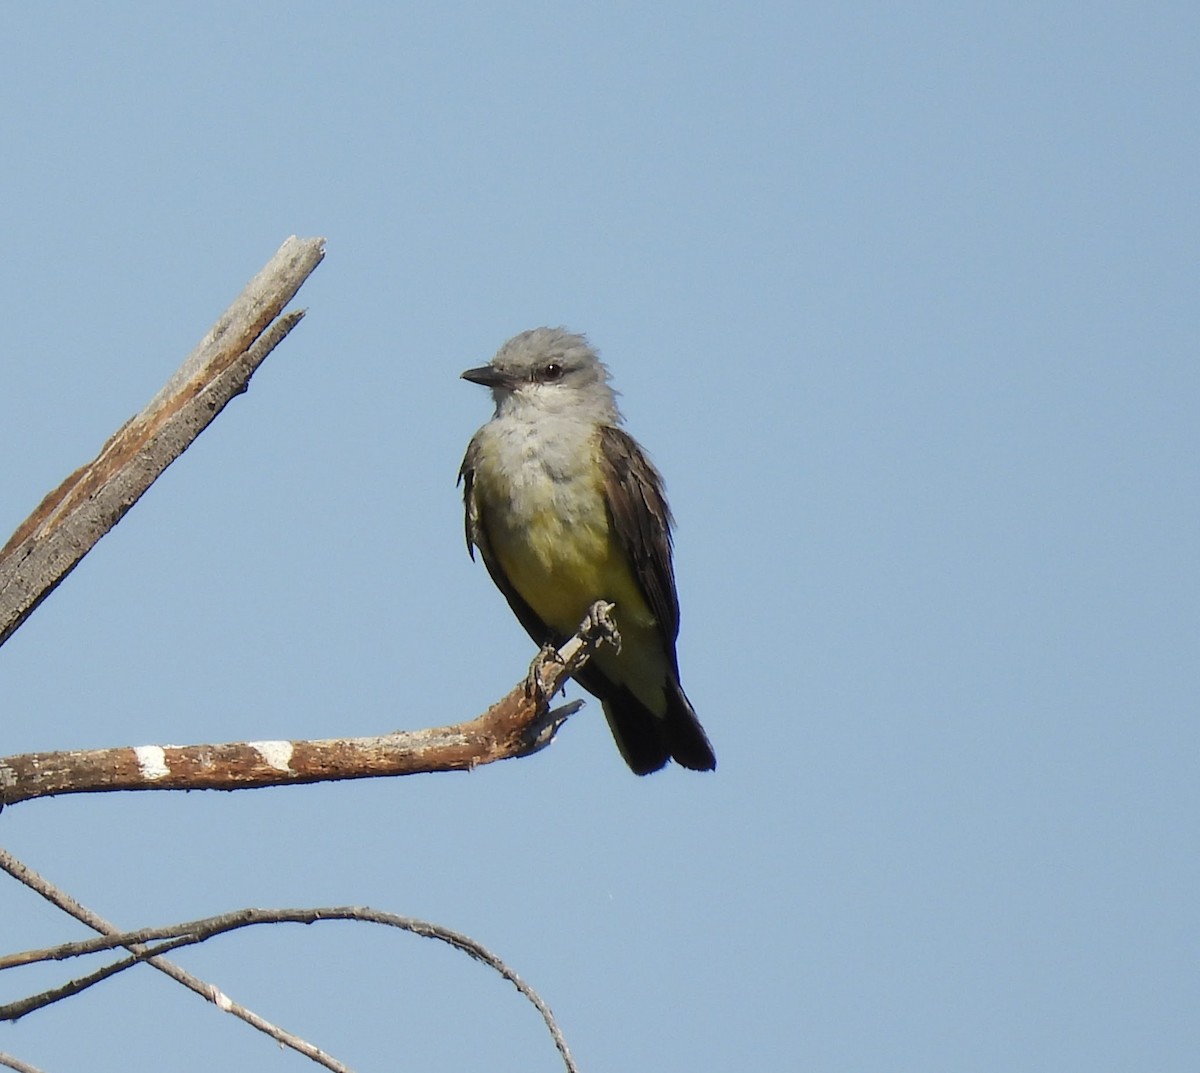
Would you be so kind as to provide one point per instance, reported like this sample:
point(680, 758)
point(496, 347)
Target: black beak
point(487, 375)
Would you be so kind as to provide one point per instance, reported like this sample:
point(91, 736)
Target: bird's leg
point(597, 626)
point(599, 621)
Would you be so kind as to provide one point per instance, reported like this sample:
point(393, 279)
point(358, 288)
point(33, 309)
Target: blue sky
point(902, 301)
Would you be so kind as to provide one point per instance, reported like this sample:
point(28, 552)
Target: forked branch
point(71, 519)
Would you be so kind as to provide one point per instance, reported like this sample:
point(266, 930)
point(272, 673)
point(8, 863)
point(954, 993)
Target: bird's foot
point(599, 623)
point(533, 681)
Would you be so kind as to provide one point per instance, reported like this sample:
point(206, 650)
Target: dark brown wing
point(642, 521)
point(476, 532)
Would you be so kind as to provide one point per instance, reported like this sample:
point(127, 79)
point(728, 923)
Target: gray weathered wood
point(72, 518)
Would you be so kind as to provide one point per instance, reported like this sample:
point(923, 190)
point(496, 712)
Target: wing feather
point(642, 521)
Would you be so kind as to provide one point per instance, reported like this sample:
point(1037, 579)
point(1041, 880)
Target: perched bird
point(566, 509)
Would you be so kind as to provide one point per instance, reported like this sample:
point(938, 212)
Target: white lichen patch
point(275, 754)
point(152, 761)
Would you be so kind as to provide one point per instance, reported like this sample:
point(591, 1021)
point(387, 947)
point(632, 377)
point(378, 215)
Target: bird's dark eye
point(551, 371)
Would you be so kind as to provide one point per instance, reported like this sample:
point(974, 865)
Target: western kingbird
point(566, 509)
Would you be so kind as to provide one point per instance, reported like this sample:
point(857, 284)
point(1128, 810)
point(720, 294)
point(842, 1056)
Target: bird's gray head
point(548, 371)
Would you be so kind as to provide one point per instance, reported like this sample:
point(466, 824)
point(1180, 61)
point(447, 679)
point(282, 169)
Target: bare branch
point(197, 931)
point(519, 724)
point(210, 992)
point(10, 1062)
point(71, 519)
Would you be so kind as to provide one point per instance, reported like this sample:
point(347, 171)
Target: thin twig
point(197, 931)
point(211, 992)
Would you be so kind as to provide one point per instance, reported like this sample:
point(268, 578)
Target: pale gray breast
point(548, 465)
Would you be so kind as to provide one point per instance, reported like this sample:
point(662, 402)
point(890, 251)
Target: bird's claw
point(599, 622)
point(533, 681)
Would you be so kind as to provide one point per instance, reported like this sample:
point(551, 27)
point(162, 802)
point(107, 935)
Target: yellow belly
point(555, 544)
point(561, 570)
point(560, 574)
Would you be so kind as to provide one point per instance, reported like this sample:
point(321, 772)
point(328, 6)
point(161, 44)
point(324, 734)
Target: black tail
point(685, 736)
point(647, 741)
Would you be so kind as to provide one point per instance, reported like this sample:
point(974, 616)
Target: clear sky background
point(903, 302)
